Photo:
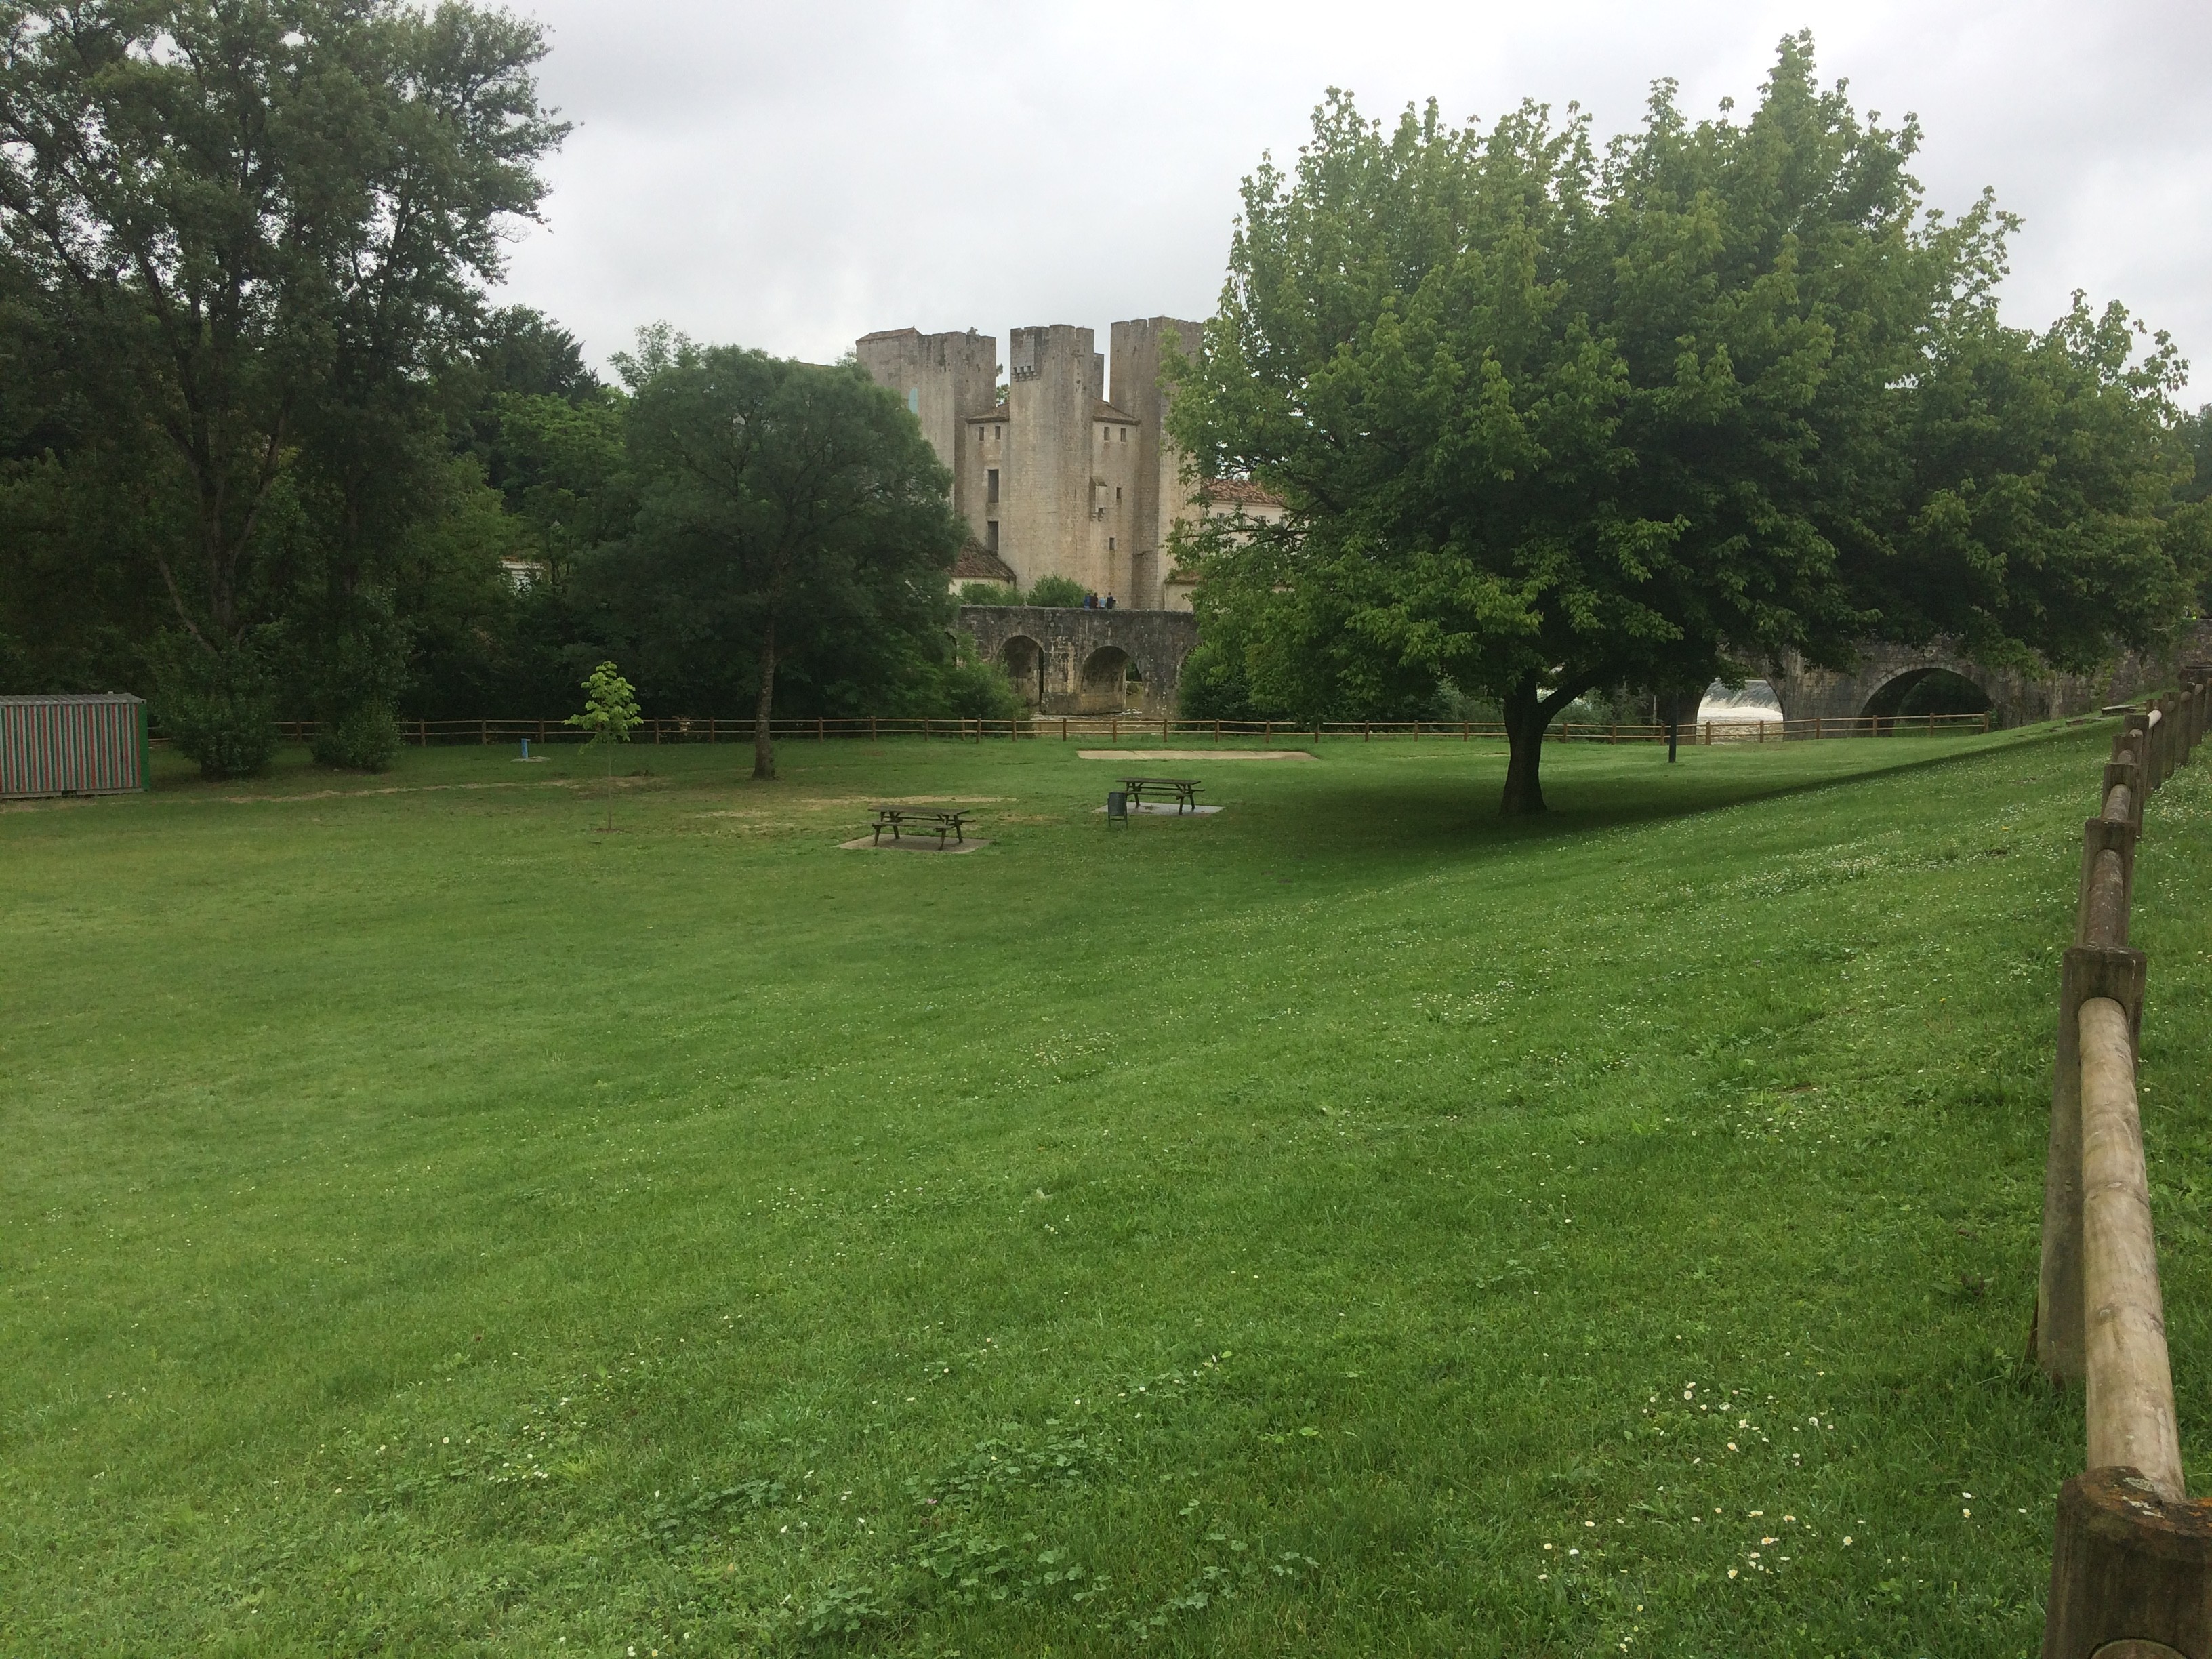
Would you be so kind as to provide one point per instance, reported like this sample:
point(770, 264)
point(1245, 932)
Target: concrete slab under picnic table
point(1165, 809)
point(912, 843)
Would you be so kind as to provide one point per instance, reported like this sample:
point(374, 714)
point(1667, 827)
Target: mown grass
point(1346, 1224)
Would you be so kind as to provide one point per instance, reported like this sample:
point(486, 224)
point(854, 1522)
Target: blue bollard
point(525, 749)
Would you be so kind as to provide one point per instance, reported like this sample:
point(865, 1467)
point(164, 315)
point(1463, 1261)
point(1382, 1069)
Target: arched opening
point(1022, 659)
point(1923, 692)
point(1105, 681)
point(1749, 713)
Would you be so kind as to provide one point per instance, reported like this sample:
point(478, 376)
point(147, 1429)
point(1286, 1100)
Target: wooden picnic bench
point(923, 821)
point(1186, 790)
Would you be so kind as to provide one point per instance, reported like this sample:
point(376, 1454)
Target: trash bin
point(1117, 805)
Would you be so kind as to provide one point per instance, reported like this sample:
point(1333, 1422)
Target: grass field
point(1346, 1224)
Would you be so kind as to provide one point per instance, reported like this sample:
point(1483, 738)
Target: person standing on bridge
point(1110, 602)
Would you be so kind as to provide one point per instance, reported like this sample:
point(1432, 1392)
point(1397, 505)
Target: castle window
point(1109, 544)
point(991, 534)
point(991, 484)
point(1117, 492)
point(914, 400)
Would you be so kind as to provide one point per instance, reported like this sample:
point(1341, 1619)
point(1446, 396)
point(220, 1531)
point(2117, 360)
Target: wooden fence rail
point(667, 729)
point(2131, 1562)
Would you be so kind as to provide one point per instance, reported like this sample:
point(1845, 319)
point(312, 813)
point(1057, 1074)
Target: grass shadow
point(1360, 815)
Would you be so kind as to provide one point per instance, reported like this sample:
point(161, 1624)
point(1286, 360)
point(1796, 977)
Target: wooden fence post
point(2129, 1571)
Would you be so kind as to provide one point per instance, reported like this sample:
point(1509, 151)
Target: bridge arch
point(1022, 660)
point(1105, 686)
point(1927, 689)
point(1067, 641)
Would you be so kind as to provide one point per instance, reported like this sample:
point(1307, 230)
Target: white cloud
point(791, 177)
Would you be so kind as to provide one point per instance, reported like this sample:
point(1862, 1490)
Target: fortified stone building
point(1058, 479)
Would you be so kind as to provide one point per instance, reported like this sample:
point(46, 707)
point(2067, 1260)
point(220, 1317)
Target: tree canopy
point(243, 237)
point(1549, 418)
point(789, 513)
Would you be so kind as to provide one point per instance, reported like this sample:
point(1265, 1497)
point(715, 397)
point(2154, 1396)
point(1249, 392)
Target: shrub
point(217, 704)
point(1062, 591)
point(361, 739)
point(979, 691)
point(356, 649)
point(989, 594)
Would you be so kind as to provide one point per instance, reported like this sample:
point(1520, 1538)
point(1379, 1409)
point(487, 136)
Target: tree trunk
point(763, 744)
point(1525, 720)
point(1527, 716)
point(1673, 723)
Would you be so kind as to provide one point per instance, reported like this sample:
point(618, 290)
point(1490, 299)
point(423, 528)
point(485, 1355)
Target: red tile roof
point(1241, 491)
point(977, 563)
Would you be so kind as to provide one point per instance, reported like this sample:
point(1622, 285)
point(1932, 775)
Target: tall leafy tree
point(785, 507)
point(262, 225)
point(1548, 419)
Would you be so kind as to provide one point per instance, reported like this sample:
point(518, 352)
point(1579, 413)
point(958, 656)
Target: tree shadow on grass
point(1420, 820)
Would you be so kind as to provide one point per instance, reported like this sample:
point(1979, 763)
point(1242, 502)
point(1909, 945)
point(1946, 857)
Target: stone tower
point(1055, 481)
point(944, 378)
point(1053, 384)
point(1161, 494)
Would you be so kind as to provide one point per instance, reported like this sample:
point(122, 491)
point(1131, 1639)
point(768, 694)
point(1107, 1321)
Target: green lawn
point(1346, 1224)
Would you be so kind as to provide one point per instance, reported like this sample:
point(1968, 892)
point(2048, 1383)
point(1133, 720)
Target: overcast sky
point(792, 176)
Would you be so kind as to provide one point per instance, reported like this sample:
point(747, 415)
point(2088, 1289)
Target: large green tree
point(786, 509)
point(1548, 418)
point(259, 228)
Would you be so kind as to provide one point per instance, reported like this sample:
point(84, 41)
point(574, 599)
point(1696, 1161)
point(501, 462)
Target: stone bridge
point(1887, 673)
point(1067, 661)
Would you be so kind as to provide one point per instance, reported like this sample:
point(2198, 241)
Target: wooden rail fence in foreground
point(1122, 728)
point(2131, 1562)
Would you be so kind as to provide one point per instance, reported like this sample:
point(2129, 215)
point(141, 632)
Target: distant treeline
point(266, 452)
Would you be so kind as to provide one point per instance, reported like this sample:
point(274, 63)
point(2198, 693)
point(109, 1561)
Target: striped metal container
point(91, 745)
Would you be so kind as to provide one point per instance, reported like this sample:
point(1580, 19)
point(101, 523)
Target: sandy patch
point(426, 789)
point(1192, 754)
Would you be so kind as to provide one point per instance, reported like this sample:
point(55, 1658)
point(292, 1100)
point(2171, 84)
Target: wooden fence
point(2131, 1561)
point(1125, 728)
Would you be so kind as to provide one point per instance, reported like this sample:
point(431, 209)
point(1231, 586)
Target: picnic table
point(923, 821)
point(1186, 790)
